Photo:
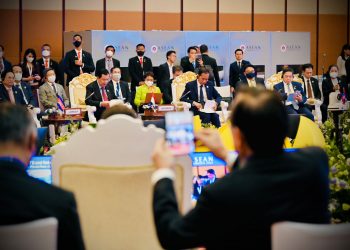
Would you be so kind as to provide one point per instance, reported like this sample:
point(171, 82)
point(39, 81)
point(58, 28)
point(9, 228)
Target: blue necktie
point(117, 91)
point(201, 95)
point(194, 64)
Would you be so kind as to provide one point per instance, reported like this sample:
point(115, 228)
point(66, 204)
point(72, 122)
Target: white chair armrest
point(91, 110)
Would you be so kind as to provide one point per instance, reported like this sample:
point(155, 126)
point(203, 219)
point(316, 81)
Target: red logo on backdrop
point(242, 47)
point(283, 48)
point(154, 49)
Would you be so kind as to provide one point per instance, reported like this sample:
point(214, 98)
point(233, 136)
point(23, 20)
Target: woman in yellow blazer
point(148, 87)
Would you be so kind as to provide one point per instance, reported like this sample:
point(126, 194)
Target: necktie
point(289, 89)
point(239, 65)
point(54, 88)
point(1, 66)
point(104, 94)
point(46, 63)
point(11, 95)
point(141, 62)
point(194, 64)
point(79, 56)
point(309, 90)
point(110, 66)
point(117, 91)
point(201, 95)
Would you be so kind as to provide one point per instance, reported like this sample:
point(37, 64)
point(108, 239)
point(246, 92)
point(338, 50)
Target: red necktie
point(79, 55)
point(141, 61)
point(46, 64)
point(104, 94)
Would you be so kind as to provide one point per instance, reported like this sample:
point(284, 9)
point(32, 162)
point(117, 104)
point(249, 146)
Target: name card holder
point(166, 108)
point(72, 112)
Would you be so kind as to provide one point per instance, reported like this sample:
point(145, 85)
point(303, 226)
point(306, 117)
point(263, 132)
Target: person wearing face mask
point(77, 61)
point(108, 62)
point(331, 84)
point(31, 70)
point(121, 88)
point(23, 86)
point(50, 90)
point(8, 91)
point(142, 91)
point(4, 64)
point(47, 62)
point(250, 79)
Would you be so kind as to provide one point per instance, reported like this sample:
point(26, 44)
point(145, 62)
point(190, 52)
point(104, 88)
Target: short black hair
point(203, 48)
point(47, 71)
point(27, 52)
point(110, 46)
point(16, 123)
point(116, 68)
point(169, 53)
point(177, 68)
point(265, 107)
point(287, 69)
point(78, 36)
point(101, 72)
point(203, 70)
point(239, 50)
point(306, 66)
point(342, 52)
point(248, 66)
point(149, 73)
point(191, 47)
point(140, 44)
point(46, 44)
point(4, 73)
point(118, 110)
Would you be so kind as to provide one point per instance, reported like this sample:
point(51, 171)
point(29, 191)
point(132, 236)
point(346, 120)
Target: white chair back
point(303, 236)
point(35, 235)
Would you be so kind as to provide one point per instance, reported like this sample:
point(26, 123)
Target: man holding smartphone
point(200, 91)
point(237, 211)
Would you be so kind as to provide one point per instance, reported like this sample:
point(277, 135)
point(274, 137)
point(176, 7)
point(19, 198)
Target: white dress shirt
point(204, 91)
point(115, 89)
point(288, 91)
point(170, 66)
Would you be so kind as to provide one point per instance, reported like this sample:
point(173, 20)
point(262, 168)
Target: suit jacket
point(279, 87)
point(4, 96)
point(327, 88)
point(27, 92)
point(35, 71)
point(244, 82)
point(73, 70)
point(94, 97)
point(187, 66)
point(167, 92)
point(163, 75)
point(55, 66)
point(238, 210)
point(124, 86)
point(25, 199)
point(210, 61)
point(236, 73)
point(192, 90)
point(315, 87)
point(101, 64)
point(136, 71)
point(48, 97)
point(7, 66)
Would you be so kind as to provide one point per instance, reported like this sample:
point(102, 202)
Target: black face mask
point(140, 53)
point(76, 44)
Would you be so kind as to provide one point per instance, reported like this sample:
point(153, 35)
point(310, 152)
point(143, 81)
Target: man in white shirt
point(121, 88)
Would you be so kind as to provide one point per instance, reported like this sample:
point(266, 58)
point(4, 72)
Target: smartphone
point(199, 56)
point(179, 132)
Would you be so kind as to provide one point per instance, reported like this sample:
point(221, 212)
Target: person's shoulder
point(100, 60)
point(44, 86)
point(309, 156)
point(313, 151)
point(91, 84)
point(86, 53)
point(246, 62)
point(70, 52)
point(132, 59)
point(278, 85)
point(297, 84)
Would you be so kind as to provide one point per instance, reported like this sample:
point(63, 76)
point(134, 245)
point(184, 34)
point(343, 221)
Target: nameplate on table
point(72, 111)
point(166, 108)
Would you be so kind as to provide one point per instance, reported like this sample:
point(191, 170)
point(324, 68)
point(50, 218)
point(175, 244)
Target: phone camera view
point(179, 132)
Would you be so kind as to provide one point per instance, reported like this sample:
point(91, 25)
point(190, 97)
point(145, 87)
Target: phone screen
point(179, 132)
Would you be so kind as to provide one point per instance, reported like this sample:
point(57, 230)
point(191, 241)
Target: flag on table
point(60, 103)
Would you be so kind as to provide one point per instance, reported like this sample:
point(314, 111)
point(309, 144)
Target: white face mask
point(116, 76)
point(149, 83)
point(333, 74)
point(30, 59)
point(18, 76)
point(109, 53)
point(1, 53)
point(45, 52)
point(51, 78)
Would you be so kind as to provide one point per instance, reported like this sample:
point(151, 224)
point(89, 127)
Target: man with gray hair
point(24, 198)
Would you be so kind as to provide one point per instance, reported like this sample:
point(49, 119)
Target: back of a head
point(203, 48)
point(117, 110)
point(262, 119)
point(16, 124)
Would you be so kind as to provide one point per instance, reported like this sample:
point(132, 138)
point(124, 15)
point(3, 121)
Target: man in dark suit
point(46, 62)
point(211, 64)
point(8, 91)
point(24, 198)
point(4, 64)
point(120, 88)
point(249, 78)
point(165, 70)
point(271, 185)
point(138, 66)
point(310, 86)
point(198, 92)
point(99, 93)
point(191, 62)
point(236, 69)
point(77, 61)
point(293, 95)
point(108, 62)
point(23, 86)
point(167, 90)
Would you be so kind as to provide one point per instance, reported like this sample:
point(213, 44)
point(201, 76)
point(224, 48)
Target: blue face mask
point(250, 75)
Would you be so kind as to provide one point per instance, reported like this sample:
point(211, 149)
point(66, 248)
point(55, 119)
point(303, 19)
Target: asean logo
point(154, 49)
point(283, 48)
point(243, 47)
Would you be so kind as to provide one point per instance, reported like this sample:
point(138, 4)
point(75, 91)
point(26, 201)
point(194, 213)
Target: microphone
point(89, 96)
point(185, 94)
